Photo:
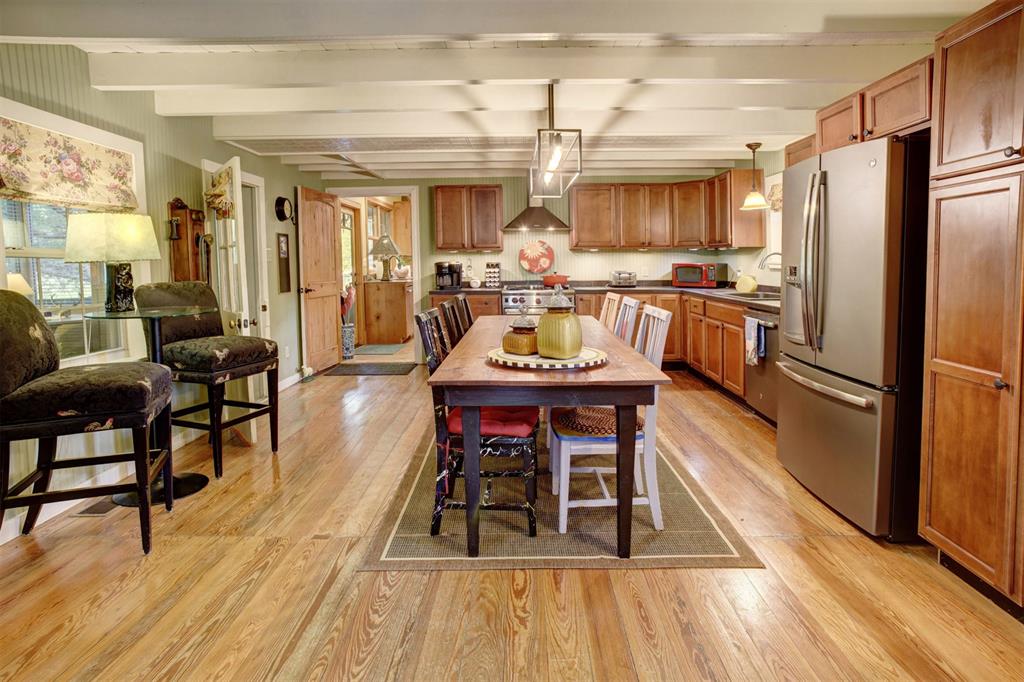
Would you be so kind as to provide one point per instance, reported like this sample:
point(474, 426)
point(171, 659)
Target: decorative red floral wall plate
point(536, 257)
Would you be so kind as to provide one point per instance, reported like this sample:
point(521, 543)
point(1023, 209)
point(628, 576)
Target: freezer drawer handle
point(859, 401)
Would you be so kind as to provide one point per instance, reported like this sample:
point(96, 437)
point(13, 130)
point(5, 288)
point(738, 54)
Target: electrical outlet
point(287, 352)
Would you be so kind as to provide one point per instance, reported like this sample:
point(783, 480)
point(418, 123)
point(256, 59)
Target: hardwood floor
point(255, 577)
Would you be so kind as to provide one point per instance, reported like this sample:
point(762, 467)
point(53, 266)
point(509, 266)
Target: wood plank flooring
point(255, 578)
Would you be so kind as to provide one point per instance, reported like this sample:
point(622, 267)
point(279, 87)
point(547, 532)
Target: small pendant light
point(754, 201)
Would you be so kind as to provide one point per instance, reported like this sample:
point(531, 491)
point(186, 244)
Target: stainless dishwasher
point(762, 378)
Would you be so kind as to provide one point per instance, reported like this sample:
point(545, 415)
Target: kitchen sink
point(756, 296)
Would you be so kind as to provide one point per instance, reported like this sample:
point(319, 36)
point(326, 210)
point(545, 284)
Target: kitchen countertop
point(642, 287)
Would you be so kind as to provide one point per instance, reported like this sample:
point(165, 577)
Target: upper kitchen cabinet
point(838, 125)
point(689, 228)
point(979, 92)
point(898, 101)
point(727, 225)
point(645, 216)
point(468, 217)
point(594, 223)
point(799, 150)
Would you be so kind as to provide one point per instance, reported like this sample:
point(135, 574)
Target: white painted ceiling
point(431, 88)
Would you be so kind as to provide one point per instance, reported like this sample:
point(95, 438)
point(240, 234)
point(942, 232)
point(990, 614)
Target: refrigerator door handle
point(808, 257)
point(817, 324)
point(856, 400)
point(802, 277)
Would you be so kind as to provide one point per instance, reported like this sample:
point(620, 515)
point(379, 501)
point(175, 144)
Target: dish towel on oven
point(753, 340)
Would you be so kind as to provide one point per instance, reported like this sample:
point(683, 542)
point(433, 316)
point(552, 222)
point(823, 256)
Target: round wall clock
point(536, 257)
point(283, 209)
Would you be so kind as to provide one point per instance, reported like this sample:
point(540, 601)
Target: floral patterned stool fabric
point(38, 400)
point(198, 352)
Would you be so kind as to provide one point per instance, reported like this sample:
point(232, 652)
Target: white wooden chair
point(564, 444)
point(609, 310)
point(625, 320)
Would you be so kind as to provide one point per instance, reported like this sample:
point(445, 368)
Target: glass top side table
point(187, 483)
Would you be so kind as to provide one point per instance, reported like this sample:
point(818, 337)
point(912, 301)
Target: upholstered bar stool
point(198, 352)
point(38, 400)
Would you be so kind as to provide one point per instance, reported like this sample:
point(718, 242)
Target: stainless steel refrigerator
point(853, 256)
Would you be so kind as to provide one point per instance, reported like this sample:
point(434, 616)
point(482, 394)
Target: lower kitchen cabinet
point(695, 340)
point(589, 304)
point(675, 338)
point(479, 304)
point(734, 369)
point(713, 349)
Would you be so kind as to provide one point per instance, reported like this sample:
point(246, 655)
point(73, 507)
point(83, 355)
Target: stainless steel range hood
point(536, 217)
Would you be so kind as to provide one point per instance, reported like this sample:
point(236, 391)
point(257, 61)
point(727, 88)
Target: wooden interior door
point(979, 91)
point(970, 431)
point(319, 278)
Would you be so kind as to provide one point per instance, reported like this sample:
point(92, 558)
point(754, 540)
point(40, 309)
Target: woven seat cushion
point(115, 395)
point(588, 423)
point(517, 422)
point(217, 353)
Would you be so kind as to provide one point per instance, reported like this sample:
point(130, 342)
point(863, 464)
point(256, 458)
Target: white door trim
point(413, 192)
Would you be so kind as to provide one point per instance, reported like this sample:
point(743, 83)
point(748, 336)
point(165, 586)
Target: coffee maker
point(447, 275)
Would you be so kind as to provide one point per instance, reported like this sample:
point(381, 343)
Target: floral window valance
point(218, 197)
point(41, 165)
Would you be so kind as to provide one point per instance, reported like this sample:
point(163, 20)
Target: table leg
point(625, 455)
point(471, 470)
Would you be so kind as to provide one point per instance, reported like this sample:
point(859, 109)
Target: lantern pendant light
point(557, 157)
point(754, 201)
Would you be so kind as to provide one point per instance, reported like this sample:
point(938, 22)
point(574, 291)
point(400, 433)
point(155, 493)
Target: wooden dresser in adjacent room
point(389, 311)
point(971, 494)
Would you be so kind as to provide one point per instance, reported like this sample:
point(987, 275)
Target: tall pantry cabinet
point(971, 477)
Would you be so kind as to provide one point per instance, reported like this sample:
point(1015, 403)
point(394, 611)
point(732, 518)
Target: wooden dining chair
point(625, 319)
point(591, 431)
point(464, 311)
point(452, 321)
point(505, 432)
point(609, 310)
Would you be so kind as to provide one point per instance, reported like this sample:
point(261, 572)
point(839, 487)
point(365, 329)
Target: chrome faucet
point(760, 265)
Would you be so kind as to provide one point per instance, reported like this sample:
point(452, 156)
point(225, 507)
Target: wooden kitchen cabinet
point(713, 349)
point(838, 124)
point(593, 216)
point(689, 225)
point(589, 304)
point(800, 150)
point(734, 367)
point(632, 215)
point(479, 304)
point(401, 226)
point(674, 340)
point(727, 225)
point(468, 217)
point(695, 337)
point(979, 92)
point(659, 215)
point(970, 499)
point(898, 101)
point(389, 311)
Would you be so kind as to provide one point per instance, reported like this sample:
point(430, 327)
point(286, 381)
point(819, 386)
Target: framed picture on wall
point(284, 266)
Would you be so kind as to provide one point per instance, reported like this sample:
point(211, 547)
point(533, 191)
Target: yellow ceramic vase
point(559, 334)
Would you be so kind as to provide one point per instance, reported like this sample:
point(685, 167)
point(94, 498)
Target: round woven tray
point(588, 357)
point(592, 421)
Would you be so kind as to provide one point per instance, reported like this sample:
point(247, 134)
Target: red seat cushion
point(517, 422)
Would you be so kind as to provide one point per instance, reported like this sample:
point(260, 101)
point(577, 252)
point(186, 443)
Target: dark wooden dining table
point(470, 381)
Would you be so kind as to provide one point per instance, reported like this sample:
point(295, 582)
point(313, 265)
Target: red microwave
point(708, 275)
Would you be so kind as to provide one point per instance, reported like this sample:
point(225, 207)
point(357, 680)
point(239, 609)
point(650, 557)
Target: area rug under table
point(696, 534)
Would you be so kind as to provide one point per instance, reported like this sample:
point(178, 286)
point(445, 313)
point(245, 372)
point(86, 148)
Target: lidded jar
point(522, 339)
point(559, 333)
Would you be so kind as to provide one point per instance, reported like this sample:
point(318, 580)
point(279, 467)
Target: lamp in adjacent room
point(385, 249)
point(754, 200)
point(116, 239)
point(16, 282)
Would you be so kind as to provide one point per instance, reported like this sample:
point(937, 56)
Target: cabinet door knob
point(1000, 384)
point(1010, 152)
point(852, 137)
point(866, 133)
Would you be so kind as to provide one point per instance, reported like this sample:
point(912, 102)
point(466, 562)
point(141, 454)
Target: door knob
point(305, 290)
point(1010, 152)
point(253, 321)
point(852, 137)
point(866, 133)
point(1000, 384)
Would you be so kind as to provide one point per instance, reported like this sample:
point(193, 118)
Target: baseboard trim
point(289, 381)
point(12, 526)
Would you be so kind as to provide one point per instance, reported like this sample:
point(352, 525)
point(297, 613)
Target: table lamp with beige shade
point(17, 283)
point(116, 239)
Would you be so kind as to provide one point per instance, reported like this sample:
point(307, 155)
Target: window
point(33, 240)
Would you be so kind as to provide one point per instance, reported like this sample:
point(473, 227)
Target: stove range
point(533, 296)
